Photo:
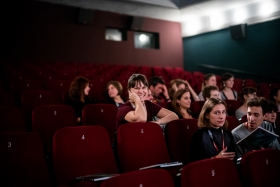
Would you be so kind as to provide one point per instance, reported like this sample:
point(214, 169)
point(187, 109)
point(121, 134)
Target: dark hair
point(177, 96)
point(272, 107)
point(206, 78)
point(117, 85)
point(156, 80)
point(273, 92)
point(77, 87)
point(206, 92)
point(248, 90)
point(259, 102)
point(206, 109)
point(226, 76)
point(136, 78)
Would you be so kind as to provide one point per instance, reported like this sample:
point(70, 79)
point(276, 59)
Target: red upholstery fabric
point(79, 151)
point(178, 135)
point(232, 122)
point(34, 98)
point(7, 98)
point(141, 144)
point(46, 120)
point(261, 168)
point(59, 87)
point(196, 107)
point(232, 106)
point(210, 172)
point(145, 178)
point(12, 119)
point(101, 114)
point(22, 160)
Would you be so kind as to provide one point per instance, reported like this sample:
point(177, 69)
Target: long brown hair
point(206, 109)
point(77, 87)
point(177, 96)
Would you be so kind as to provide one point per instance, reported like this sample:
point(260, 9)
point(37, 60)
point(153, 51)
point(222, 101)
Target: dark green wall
point(258, 56)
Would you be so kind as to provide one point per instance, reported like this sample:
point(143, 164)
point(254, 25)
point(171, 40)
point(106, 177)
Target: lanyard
point(223, 143)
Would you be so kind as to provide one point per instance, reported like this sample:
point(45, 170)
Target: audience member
point(209, 79)
point(256, 111)
point(78, 95)
point(227, 93)
point(212, 140)
point(271, 115)
point(181, 104)
point(247, 93)
point(138, 108)
point(158, 88)
point(150, 97)
point(114, 91)
point(275, 97)
point(211, 92)
point(179, 84)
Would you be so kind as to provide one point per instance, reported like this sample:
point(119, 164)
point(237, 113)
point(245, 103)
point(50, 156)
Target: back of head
point(272, 107)
point(226, 76)
point(259, 102)
point(248, 90)
point(208, 106)
point(156, 80)
point(206, 78)
point(76, 90)
point(206, 92)
point(135, 79)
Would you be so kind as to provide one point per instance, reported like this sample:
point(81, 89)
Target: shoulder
point(266, 125)
point(239, 128)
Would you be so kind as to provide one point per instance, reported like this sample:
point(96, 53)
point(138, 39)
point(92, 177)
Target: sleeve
point(197, 148)
point(275, 144)
point(152, 109)
point(200, 96)
point(122, 111)
point(222, 95)
point(232, 145)
point(238, 114)
point(239, 151)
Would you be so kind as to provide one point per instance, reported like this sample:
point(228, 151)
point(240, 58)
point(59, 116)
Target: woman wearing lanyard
point(212, 140)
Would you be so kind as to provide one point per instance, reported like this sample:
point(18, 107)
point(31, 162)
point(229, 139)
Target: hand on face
point(133, 97)
point(165, 91)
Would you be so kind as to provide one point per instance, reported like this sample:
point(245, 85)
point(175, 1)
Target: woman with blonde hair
point(212, 140)
point(179, 84)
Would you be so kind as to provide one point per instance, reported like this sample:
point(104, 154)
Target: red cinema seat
point(12, 119)
point(178, 135)
point(22, 160)
point(218, 172)
point(261, 168)
point(80, 151)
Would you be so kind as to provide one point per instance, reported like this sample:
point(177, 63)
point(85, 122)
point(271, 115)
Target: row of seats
point(86, 150)
point(106, 72)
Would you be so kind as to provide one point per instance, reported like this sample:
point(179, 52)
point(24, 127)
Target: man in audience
point(211, 92)
point(256, 111)
point(159, 90)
